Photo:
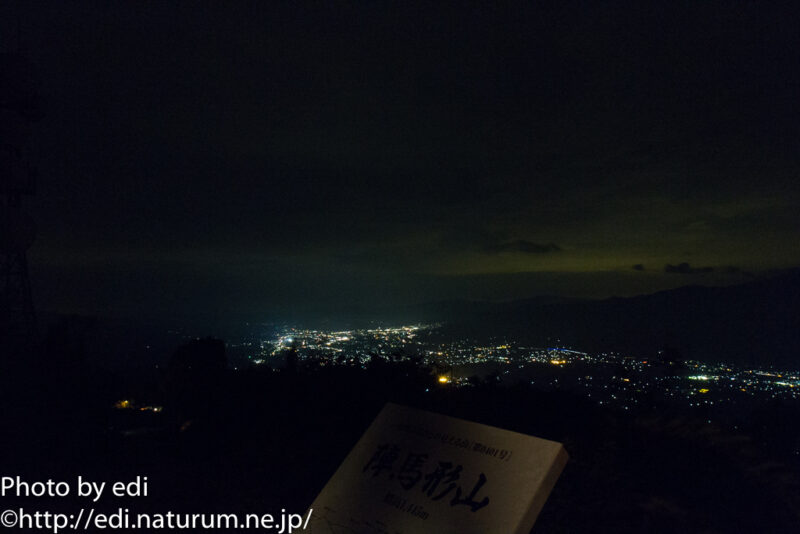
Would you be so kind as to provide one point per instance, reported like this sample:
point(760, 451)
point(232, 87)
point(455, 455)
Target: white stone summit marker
point(416, 472)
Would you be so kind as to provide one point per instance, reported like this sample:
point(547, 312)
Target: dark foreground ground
point(258, 441)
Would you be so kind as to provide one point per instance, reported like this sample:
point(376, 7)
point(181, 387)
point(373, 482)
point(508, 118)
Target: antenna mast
point(19, 107)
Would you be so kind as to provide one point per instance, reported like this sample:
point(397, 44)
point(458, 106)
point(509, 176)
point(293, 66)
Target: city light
point(623, 381)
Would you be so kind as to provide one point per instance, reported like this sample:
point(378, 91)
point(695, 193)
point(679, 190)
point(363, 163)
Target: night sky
point(253, 158)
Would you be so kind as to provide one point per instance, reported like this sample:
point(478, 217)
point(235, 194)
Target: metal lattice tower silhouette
point(17, 317)
point(19, 106)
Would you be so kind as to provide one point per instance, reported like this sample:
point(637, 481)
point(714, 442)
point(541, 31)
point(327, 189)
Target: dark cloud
point(685, 268)
point(732, 269)
point(638, 267)
point(526, 247)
